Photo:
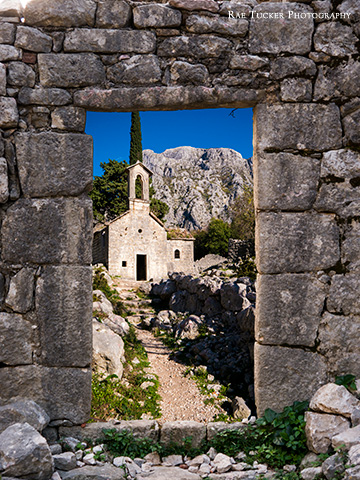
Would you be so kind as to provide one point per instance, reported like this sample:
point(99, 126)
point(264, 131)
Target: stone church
point(135, 245)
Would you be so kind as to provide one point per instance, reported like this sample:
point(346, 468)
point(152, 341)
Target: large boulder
point(347, 438)
point(23, 411)
point(24, 453)
point(321, 428)
point(189, 327)
point(117, 324)
point(332, 398)
point(101, 304)
point(105, 472)
point(108, 350)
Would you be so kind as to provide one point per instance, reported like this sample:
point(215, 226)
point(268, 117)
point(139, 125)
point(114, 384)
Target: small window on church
point(140, 231)
point(124, 263)
point(177, 254)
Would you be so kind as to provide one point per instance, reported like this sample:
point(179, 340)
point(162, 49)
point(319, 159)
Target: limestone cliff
point(197, 184)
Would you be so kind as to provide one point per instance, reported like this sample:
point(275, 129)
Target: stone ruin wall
point(300, 75)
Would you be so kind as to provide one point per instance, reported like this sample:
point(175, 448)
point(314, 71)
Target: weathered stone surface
point(289, 309)
point(300, 126)
point(341, 163)
point(248, 62)
point(105, 472)
point(64, 393)
point(296, 90)
point(285, 181)
point(351, 128)
point(137, 70)
point(199, 47)
point(344, 294)
point(156, 15)
point(108, 350)
point(338, 81)
point(60, 13)
point(9, 115)
point(351, 6)
point(32, 39)
point(20, 75)
point(214, 428)
point(64, 312)
point(291, 35)
point(53, 231)
point(4, 182)
point(284, 66)
point(168, 98)
point(113, 14)
point(336, 399)
point(233, 9)
point(15, 349)
point(175, 473)
point(8, 53)
point(176, 432)
point(332, 467)
point(70, 70)
point(338, 342)
point(23, 411)
point(11, 8)
point(185, 73)
point(65, 461)
point(53, 164)
point(68, 118)
point(320, 428)
point(21, 291)
point(2, 79)
point(232, 296)
point(335, 39)
point(92, 431)
point(222, 462)
point(310, 473)
point(109, 41)
point(296, 242)
point(208, 5)
point(25, 453)
point(216, 24)
point(340, 198)
point(351, 246)
point(7, 33)
point(281, 369)
point(347, 438)
point(240, 409)
point(44, 96)
point(354, 455)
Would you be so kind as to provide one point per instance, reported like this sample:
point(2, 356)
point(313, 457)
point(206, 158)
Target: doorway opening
point(141, 267)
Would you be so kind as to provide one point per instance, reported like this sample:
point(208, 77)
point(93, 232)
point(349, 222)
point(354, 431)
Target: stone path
point(181, 398)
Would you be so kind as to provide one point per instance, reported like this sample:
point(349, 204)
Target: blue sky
point(211, 128)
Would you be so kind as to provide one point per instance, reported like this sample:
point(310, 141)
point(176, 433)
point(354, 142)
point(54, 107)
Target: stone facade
point(299, 72)
point(135, 245)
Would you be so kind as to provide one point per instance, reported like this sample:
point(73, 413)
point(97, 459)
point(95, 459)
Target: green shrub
point(347, 381)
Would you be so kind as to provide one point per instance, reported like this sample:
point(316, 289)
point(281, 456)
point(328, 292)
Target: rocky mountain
point(197, 183)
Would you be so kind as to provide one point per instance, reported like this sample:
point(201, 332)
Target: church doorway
point(140, 267)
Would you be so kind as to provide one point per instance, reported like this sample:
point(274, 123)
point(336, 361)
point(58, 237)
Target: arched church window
point(177, 253)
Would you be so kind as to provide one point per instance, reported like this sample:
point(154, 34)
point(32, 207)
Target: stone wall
point(300, 71)
point(240, 249)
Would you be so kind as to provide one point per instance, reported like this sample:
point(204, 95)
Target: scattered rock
point(23, 411)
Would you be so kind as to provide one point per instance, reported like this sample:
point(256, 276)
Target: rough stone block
point(113, 14)
point(336, 399)
point(137, 70)
point(298, 126)
point(60, 13)
point(289, 309)
point(206, 46)
point(285, 181)
point(216, 24)
point(44, 96)
point(347, 438)
point(185, 73)
point(44, 231)
point(16, 340)
point(296, 242)
point(176, 432)
point(284, 66)
point(2, 79)
point(23, 411)
point(335, 39)
point(351, 128)
point(340, 198)
point(268, 36)
point(214, 428)
point(11, 8)
point(296, 90)
point(64, 393)
point(334, 82)
point(320, 428)
point(20, 75)
point(351, 246)
point(237, 9)
point(248, 62)
point(344, 294)
point(338, 342)
point(70, 70)
point(52, 164)
point(21, 291)
point(9, 53)
point(64, 314)
point(9, 115)
point(33, 40)
point(68, 118)
point(103, 472)
point(156, 15)
point(7, 33)
point(341, 163)
point(109, 41)
point(208, 5)
point(4, 181)
point(284, 375)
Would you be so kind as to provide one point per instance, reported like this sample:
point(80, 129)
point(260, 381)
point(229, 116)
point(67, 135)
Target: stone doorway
point(141, 267)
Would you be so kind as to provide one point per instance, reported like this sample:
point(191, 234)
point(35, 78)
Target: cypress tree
point(135, 139)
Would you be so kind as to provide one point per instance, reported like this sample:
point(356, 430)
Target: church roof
point(142, 165)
